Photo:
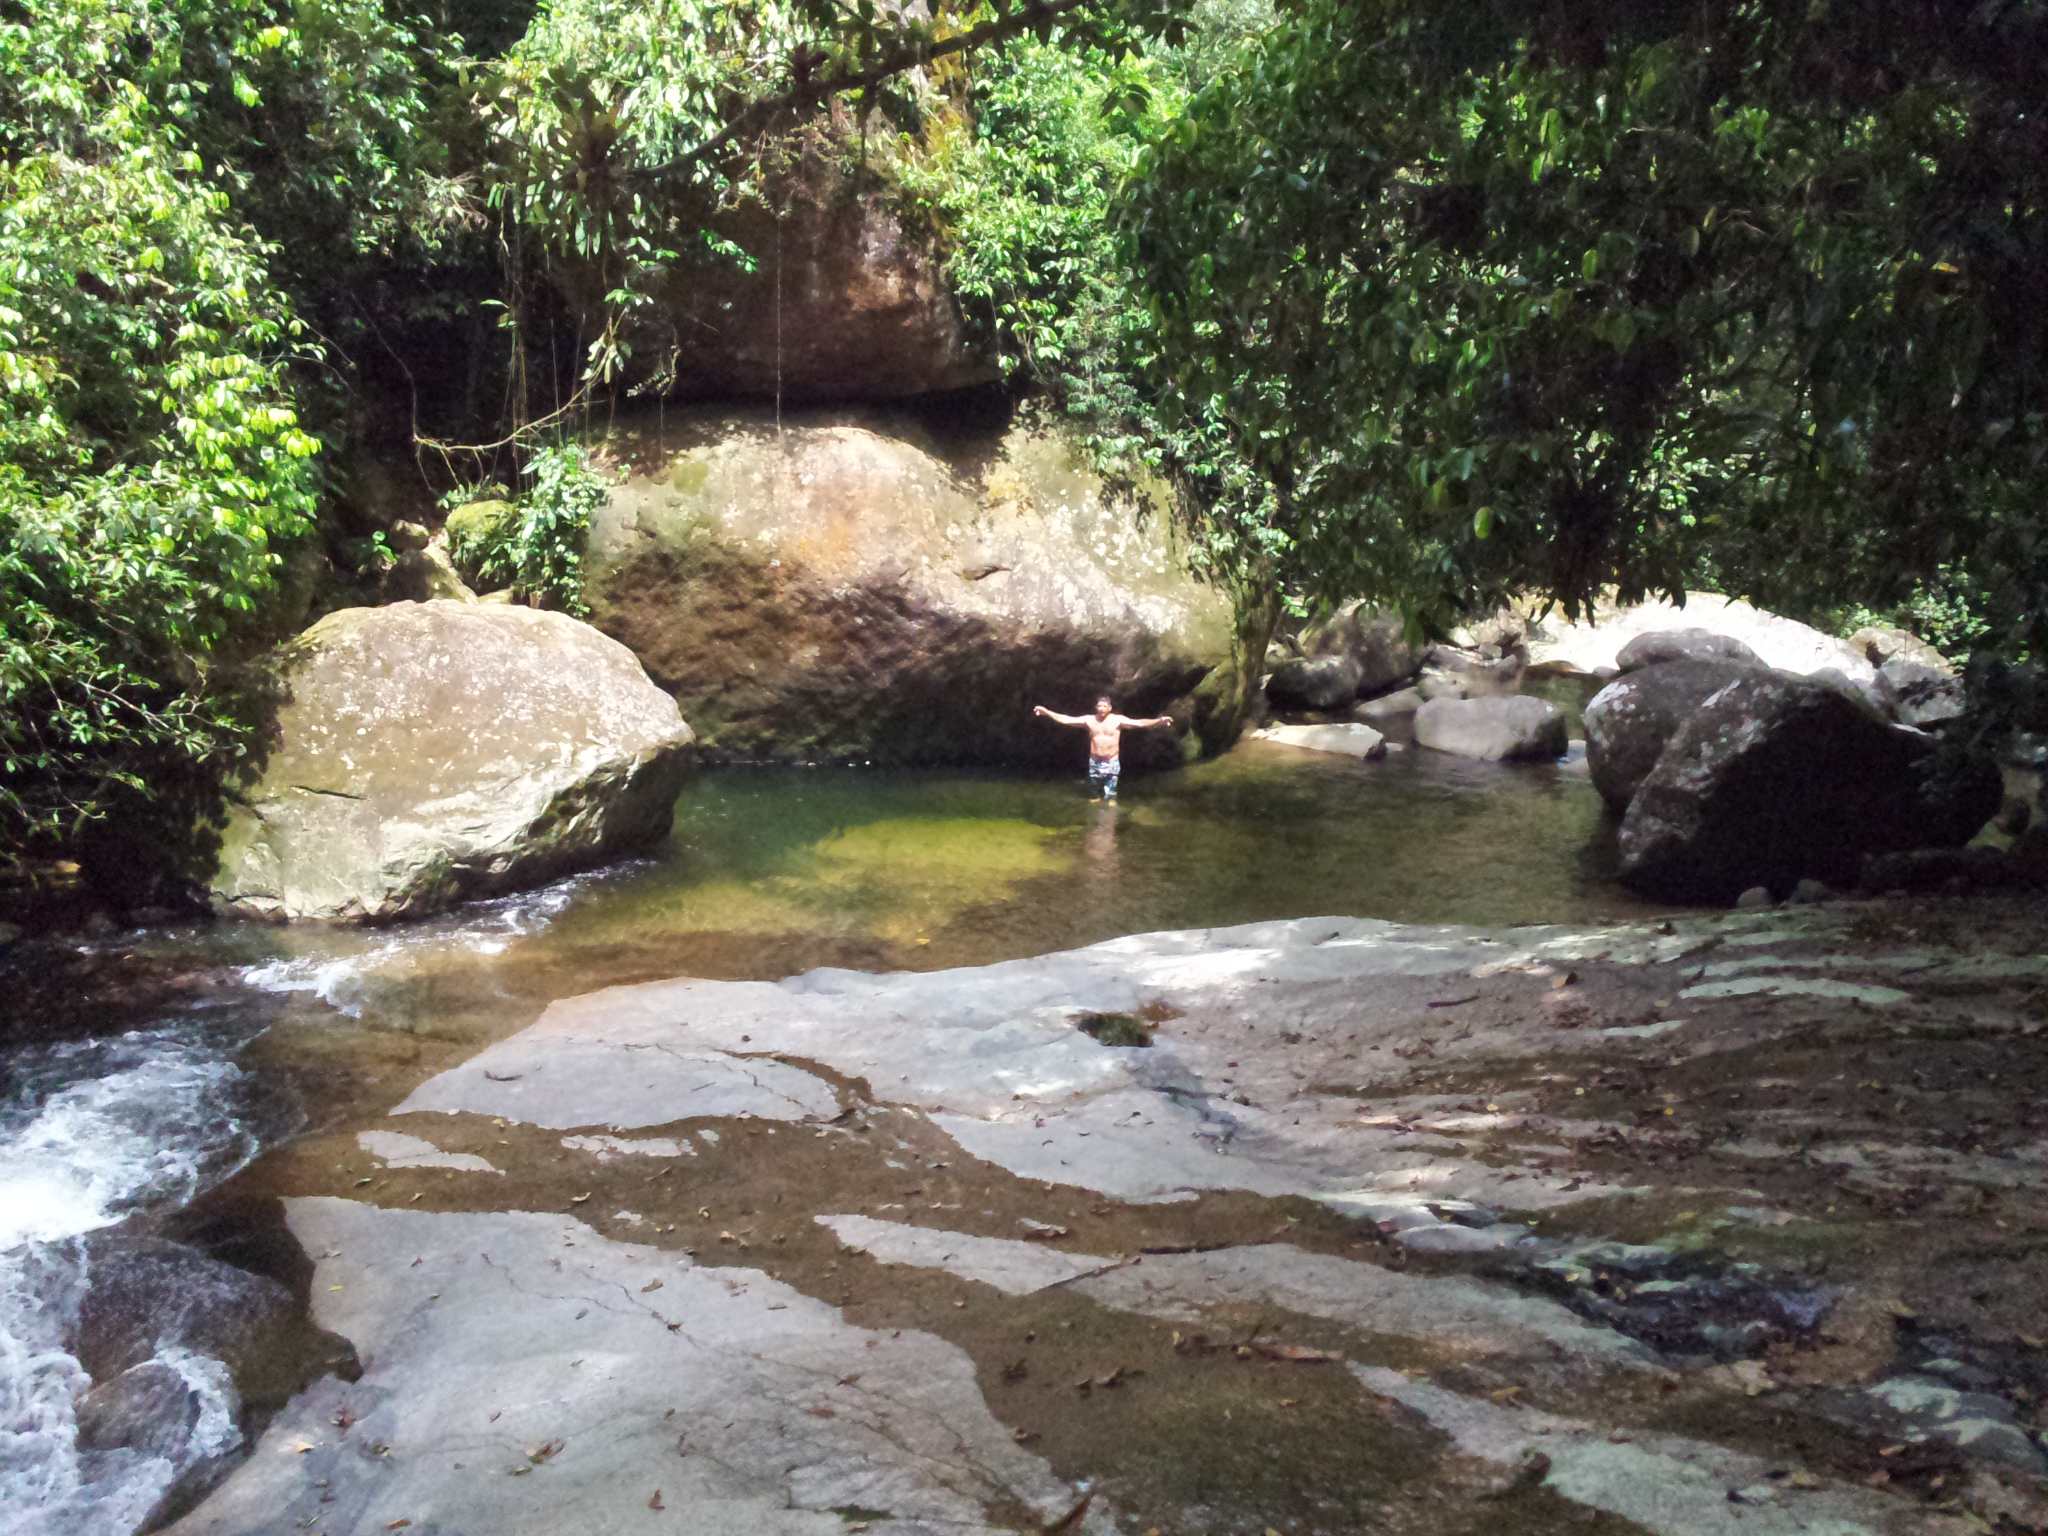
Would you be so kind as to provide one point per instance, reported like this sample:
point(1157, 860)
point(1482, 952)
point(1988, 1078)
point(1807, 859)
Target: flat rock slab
point(1349, 740)
point(525, 1376)
point(994, 1055)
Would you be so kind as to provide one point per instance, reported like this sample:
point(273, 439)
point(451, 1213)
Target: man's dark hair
point(1103, 698)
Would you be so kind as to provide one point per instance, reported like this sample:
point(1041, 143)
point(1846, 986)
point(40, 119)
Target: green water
point(769, 870)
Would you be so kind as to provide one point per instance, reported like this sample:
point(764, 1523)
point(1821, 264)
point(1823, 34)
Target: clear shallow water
point(769, 872)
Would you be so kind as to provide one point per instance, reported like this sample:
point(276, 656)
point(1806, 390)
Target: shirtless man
point(1105, 737)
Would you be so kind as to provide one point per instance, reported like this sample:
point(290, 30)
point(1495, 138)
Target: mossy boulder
point(433, 752)
point(853, 585)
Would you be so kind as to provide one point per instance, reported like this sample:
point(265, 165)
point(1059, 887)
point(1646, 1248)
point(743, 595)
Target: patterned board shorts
point(1104, 771)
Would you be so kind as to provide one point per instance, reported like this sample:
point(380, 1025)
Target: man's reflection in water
point(1102, 854)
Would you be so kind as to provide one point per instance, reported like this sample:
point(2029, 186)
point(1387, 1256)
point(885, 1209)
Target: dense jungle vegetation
point(1417, 301)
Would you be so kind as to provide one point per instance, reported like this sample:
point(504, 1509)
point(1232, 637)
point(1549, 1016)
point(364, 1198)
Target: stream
point(129, 1114)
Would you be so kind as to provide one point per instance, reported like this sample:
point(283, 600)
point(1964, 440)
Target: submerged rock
point(1775, 779)
point(1352, 740)
point(849, 587)
point(1504, 729)
point(1631, 721)
point(433, 752)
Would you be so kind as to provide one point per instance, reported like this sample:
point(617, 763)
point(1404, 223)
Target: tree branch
point(894, 61)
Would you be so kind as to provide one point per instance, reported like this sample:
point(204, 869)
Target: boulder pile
point(1731, 775)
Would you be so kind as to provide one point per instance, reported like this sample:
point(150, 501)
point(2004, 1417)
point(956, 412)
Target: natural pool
point(279, 1033)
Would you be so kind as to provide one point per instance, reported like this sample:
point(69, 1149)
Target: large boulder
point(1360, 649)
point(844, 298)
point(1314, 682)
point(1658, 646)
point(1513, 728)
point(1631, 721)
point(432, 752)
point(1776, 779)
point(851, 586)
point(1593, 645)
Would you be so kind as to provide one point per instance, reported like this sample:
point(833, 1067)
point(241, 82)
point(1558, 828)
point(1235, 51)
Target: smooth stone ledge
point(1672, 1486)
point(1471, 1317)
point(731, 1395)
point(395, 1150)
point(993, 1055)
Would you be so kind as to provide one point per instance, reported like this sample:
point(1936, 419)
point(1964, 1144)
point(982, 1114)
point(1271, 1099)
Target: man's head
point(1102, 707)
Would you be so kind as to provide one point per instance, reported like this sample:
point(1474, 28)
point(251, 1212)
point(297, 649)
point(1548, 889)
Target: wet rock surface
point(1727, 1224)
point(434, 752)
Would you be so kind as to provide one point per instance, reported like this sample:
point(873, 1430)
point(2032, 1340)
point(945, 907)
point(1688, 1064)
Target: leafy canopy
point(1629, 293)
point(149, 453)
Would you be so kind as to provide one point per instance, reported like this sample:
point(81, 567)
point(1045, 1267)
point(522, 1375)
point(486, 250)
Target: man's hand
point(1040, 709)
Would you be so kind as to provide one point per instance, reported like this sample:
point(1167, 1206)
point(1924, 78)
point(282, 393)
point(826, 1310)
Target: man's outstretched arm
point(1139, 725)
point(1062, 719)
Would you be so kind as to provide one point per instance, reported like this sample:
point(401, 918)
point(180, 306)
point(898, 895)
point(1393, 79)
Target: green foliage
point(533, 545)
point(1638, 295)
point(149, 454)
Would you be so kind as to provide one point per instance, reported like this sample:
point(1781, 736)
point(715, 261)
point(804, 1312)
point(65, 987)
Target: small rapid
point(93, 1132)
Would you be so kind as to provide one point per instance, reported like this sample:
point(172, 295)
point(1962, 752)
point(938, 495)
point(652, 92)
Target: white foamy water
point(347, 968)
point(90, 1132)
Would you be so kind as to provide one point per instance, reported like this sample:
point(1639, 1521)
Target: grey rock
point(433, 752)
point(1631, 721)
point(1593, 643)
point(1506, 729)
point(1391, 706)
point(751, 1406)
point(1806, 892)
point(1925, 695)
point(1755, 899)
point(1351, 740)
point(150, 1408)
point(849, 587)
point(1977, 1423)
point(1455, 673)
point(1374, 639)
point(1666, 645)
point(1314, 682)
point(1776, 779)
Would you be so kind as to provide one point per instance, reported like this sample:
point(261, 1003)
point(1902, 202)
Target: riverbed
point(147, 1068)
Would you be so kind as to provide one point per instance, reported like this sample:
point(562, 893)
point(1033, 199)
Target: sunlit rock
point(852, 586)
point(432, 752)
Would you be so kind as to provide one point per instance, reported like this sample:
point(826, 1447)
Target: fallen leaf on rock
point(652, 1285)
point(397, 1524)
point(541, 1455)
point(1016, 1371)
point(822, 1413)
point(1298, 1353)
point(655, 1502)
point(361, 1182)
point(579, 1199)
point(1455, 1002)
point(508, 1077)
point(1040, 1229)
